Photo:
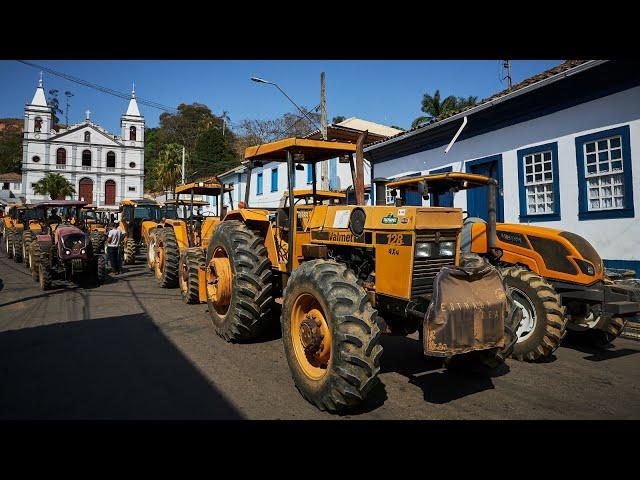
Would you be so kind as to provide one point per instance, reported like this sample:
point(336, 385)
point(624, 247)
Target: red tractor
point(64, 249)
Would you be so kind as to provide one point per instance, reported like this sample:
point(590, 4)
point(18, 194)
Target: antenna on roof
point(506, 65)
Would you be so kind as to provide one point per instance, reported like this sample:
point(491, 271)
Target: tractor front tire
point(239, 282)
point(190, 263)
point(35, 254)
point(544, 323)
point(101, 268)
point(331, 335)
point(8, 243)
point(44, 273)
point(97, 242)
point(129, 251)
point(167, 270)
point(28, 237)
point(605, 331)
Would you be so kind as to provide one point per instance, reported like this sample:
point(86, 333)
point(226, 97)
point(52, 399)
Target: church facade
point(104, 168)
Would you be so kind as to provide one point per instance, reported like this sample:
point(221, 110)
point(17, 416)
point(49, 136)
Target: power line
point(110, 91)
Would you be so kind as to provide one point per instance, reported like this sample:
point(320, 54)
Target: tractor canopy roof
point(197, 203)
point(303, 150)
point(133, 202)
point(445, 182)
point(210, 186)
point(60, 204)
point(320, 194)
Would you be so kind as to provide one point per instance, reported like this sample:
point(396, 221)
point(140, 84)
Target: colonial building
point(103, 167)
point(269, 181)
point(564, 145)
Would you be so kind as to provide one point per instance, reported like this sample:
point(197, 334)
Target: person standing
point(113, 248)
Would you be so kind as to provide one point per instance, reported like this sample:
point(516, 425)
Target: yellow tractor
point(305, 195)
point(16, 238)
point(96, 221)
point(133, 213)
point(180, 244)
point(170, 209)
point(556, 277)
point(348, 273)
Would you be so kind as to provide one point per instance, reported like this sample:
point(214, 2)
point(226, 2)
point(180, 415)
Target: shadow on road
point(404, 355)
point(110, 368)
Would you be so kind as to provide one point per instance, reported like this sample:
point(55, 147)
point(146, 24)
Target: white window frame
point(539, 187)
point(601, 184)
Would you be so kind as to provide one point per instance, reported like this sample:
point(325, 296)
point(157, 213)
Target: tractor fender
point(180, 230)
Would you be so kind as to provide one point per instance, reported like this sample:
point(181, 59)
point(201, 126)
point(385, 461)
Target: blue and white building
point(269, 182)
point(564, 145)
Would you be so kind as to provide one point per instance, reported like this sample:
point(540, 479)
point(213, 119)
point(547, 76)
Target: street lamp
point(262, 80)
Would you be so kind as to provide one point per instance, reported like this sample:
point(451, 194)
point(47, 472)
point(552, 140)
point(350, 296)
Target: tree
point(169, 167)
point(215, 153)
point(186, 126)
point(151, 149)
point(11, 151)
point(338, 119)
point(54, 104)
point(437, 109)
point(54, 185)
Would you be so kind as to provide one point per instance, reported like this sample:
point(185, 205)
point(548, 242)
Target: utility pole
point(67, 94)
point(324, 167)
point(183, 165)
point(506, 64)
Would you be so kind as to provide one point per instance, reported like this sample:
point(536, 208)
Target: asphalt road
point(131, 350)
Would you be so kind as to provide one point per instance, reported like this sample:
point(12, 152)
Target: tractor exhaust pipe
point(381, 190)
point(492, 238)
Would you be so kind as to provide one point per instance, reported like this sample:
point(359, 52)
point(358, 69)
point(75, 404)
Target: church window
point(86, 158)
point(111, 160)
point(61, 156)
point(132, 133)
point(36, 159)
point(37, 124)
point(87, 137)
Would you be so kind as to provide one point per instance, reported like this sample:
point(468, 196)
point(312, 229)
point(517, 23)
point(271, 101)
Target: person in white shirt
point(113, 248)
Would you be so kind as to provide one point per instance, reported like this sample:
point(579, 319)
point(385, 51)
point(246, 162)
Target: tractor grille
point(426, 269)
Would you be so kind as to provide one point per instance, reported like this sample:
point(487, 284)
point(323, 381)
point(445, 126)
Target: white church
point(104, 168)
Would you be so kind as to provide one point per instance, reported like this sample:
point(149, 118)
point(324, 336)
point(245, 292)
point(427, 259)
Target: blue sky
point(383, 91)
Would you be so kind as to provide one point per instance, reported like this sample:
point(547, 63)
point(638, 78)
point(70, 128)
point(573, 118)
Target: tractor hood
point(71, 242)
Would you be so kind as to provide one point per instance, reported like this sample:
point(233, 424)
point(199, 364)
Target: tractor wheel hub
point(311, 334)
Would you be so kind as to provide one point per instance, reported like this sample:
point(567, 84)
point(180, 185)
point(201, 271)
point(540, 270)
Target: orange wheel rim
point(311, 336)
point(219, 281)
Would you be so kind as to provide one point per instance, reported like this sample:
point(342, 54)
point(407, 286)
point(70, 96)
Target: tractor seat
point(465, 238)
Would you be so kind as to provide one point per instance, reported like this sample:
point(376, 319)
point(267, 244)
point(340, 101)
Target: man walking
point(113, 248)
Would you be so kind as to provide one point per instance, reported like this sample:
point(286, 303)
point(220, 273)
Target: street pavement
point(131, 350)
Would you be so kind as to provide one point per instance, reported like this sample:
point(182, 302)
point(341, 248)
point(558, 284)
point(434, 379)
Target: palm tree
point(54, 185)
point(169, 167)
point(436, 109)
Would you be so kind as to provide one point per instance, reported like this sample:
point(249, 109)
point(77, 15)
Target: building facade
point(564, 146)
point(104, 168)
point(269, 181)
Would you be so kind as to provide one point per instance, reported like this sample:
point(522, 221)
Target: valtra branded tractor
point(64, 251)
point(180, 244)
point(348, 273)
point(133, 212)
point(556, 277)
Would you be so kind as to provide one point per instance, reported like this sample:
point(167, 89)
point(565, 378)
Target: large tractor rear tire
point(8, 243)
point(543, 324)
point(97, 242)
point(167, 259)
point(129, 251)
point(34, 257)
point(28, 237)
point(17, 247)
point(151, 249)
point(190, 262)
point(603, 331)
point(331, 335)
point(239, 288)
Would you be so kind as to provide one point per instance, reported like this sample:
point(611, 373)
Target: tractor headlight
point(425, 249)
point(82, 251)
point(67, 252)
point(447, 249)
point(586, 267)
